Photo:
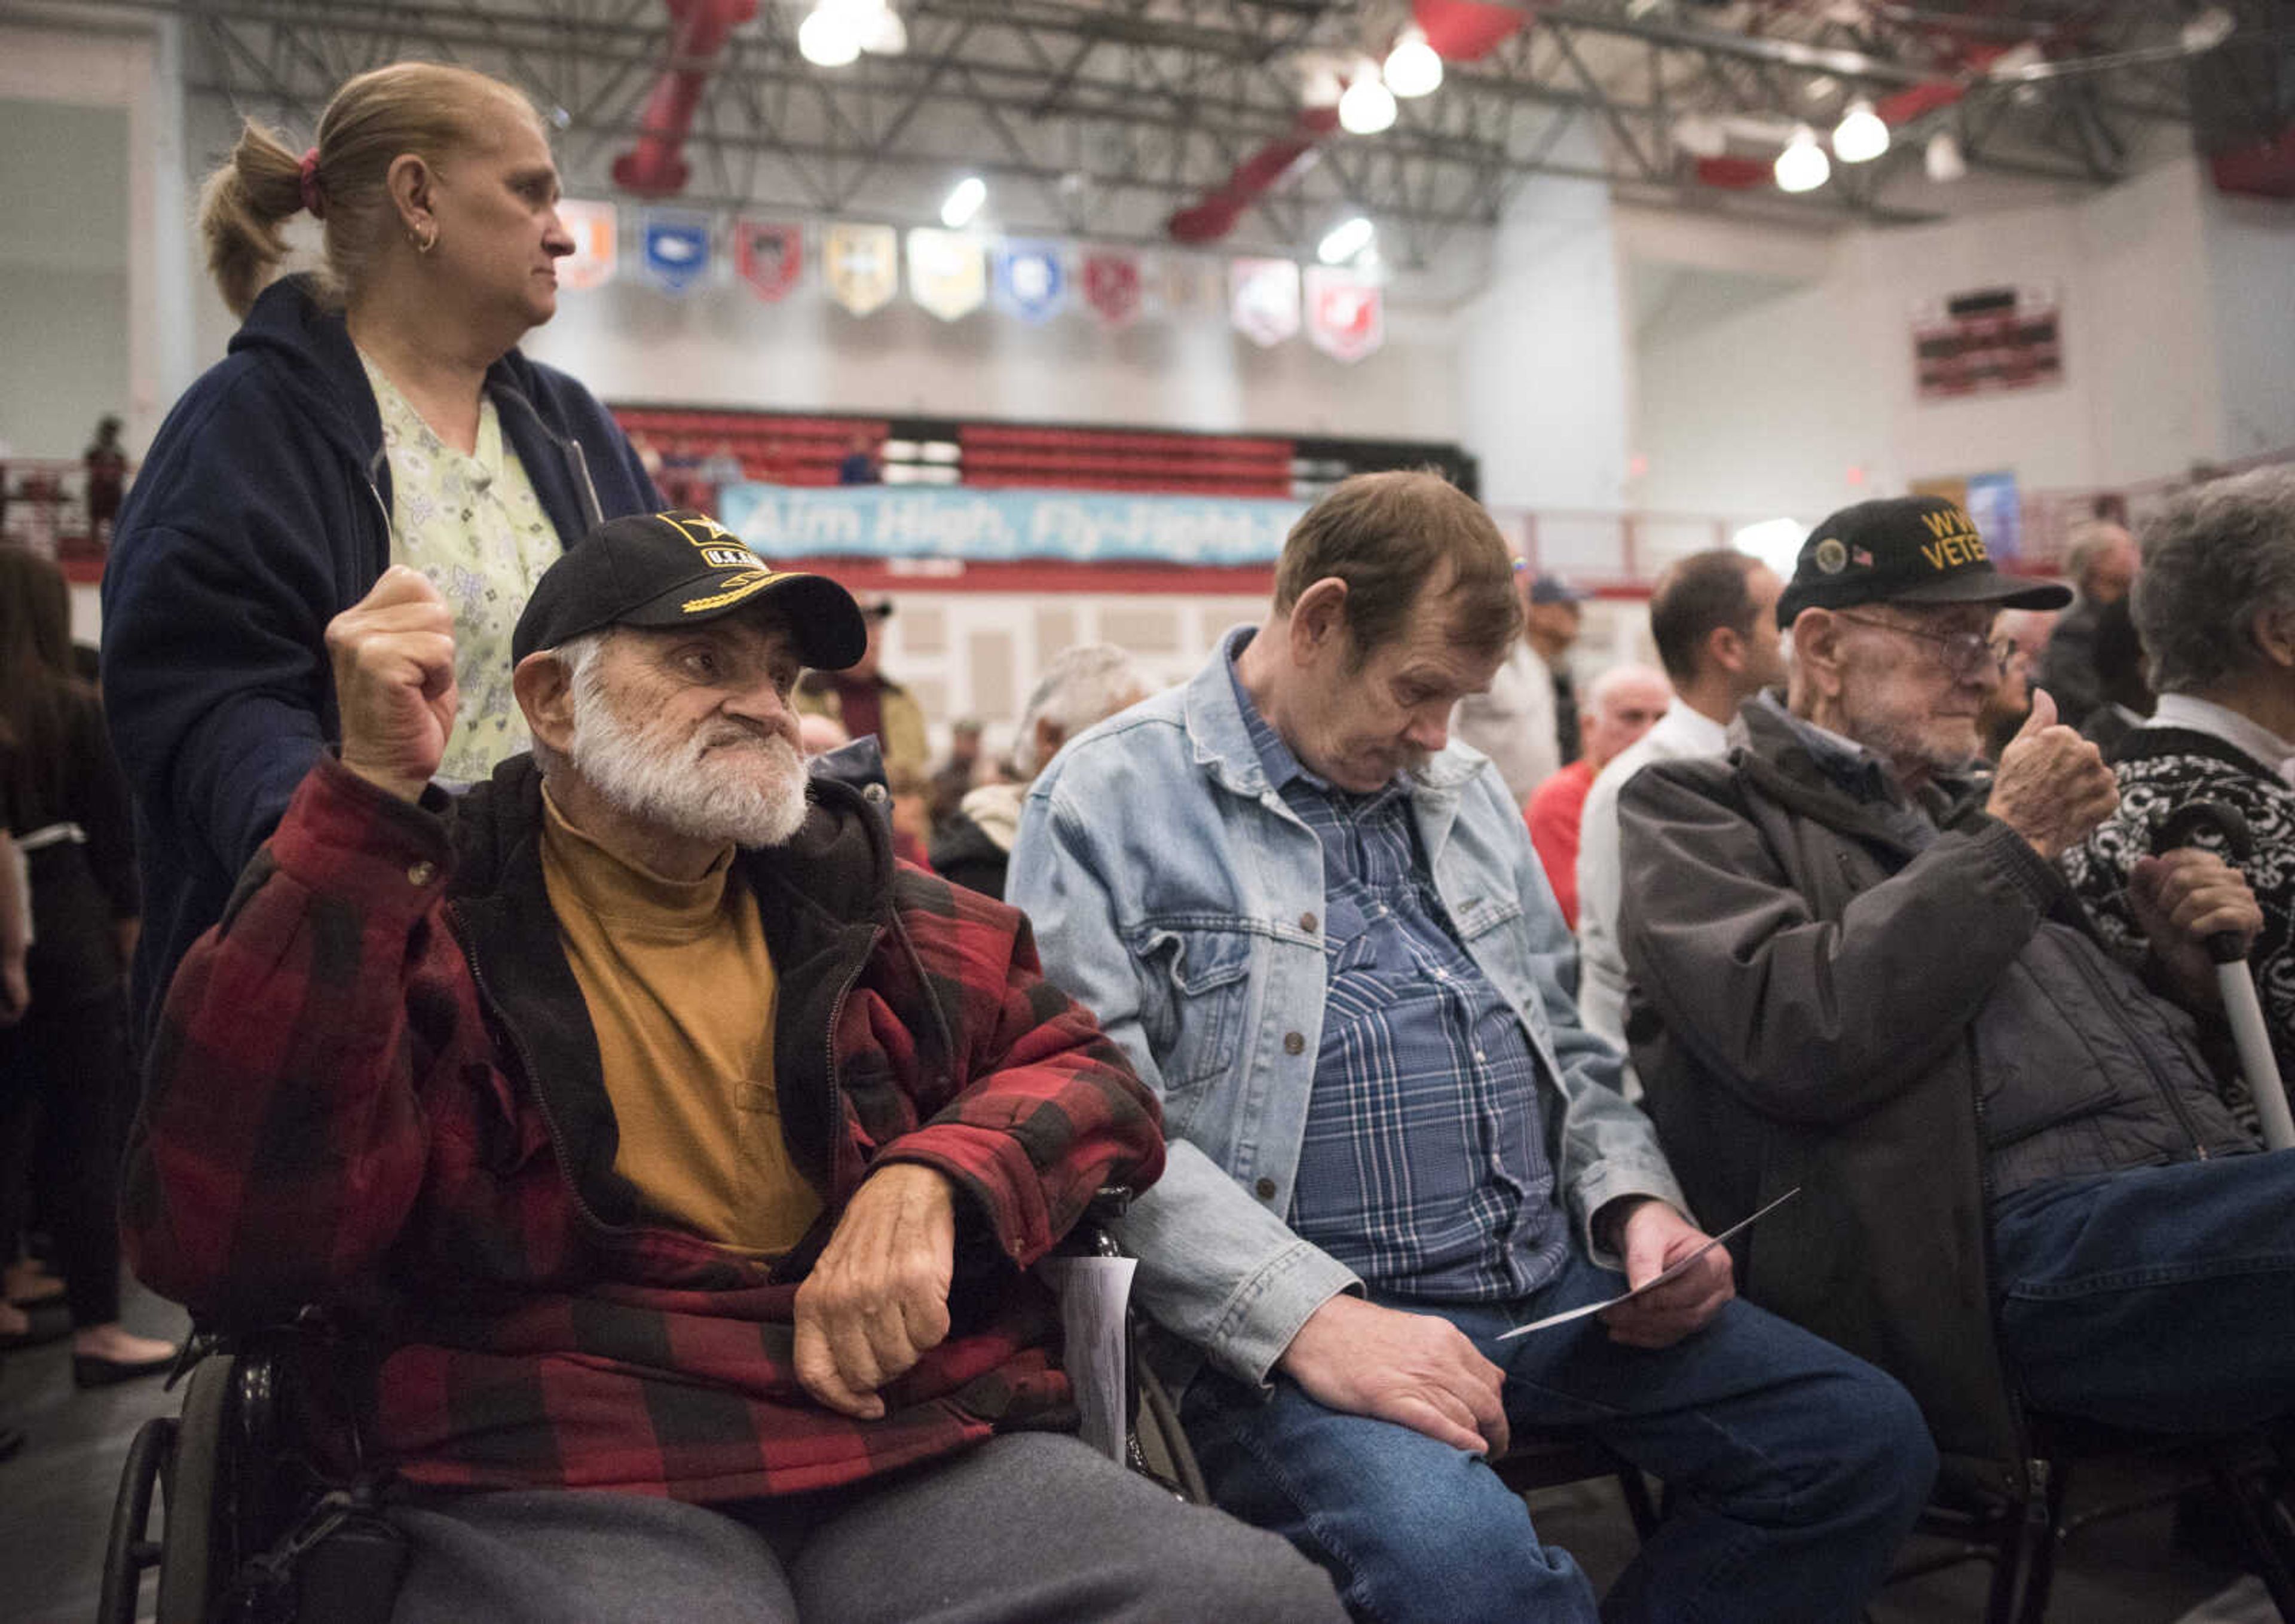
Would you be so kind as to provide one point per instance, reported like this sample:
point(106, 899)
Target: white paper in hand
point(1670, 1271)
point(1094, 1292)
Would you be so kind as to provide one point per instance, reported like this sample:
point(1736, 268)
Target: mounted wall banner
point(877, 521)
point(948, 272)
point(676, 249)
point(1111, 286)
point(1030, 283)
point(1263, 299)
point(1346, 313)
point(770, 254)
point(1184, 284)
point(1987, 341)
point(597, 236)
point(864, 265)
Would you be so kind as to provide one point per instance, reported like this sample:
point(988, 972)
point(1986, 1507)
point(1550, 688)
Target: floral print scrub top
point(474, 525)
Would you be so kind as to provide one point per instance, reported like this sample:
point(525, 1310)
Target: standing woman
point(377, 412)
point(67, 1079)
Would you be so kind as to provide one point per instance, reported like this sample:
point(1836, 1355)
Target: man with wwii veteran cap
point(667, 1159)
point(1856, 969)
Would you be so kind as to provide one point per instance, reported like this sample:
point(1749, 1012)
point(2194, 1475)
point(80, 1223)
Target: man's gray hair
point(1082, 685)
point(2213, 557)
point(579, 655)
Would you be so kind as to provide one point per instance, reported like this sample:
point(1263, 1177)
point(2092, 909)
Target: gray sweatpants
point(1027, 1526)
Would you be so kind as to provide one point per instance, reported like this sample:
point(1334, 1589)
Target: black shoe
point(46, 1328)
point(93, 1370)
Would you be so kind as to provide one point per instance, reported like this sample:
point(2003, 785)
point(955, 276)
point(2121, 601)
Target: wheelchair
point(257, 1530)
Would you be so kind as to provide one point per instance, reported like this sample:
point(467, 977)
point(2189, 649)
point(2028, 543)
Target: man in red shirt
point(1623, 703)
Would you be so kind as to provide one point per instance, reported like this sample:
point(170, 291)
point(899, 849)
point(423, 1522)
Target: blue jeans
point(2159, 1298)
point(1794, 1471)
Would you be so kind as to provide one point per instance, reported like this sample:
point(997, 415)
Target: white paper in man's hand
point(1653, 1282)
point(1094, 1293)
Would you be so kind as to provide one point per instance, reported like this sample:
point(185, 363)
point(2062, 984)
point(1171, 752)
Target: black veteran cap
point(1905, 550)
point(680, 569)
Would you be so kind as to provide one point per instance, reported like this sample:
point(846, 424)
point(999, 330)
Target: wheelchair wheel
point(129, 1554)
point(187, 1559)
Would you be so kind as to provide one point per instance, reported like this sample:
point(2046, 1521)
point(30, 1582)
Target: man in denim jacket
point(1324, 939)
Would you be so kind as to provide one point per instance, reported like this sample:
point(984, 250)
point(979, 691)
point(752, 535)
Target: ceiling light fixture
point(964, 202)
point(1413, 68)
point(1700, 135)
point(1344, 241)
point(2212, 27)
point(827, 38)
point(883, 33)
point(1860, 136)
point(1802, 166)
point(1943, 160)
point(1367, 107)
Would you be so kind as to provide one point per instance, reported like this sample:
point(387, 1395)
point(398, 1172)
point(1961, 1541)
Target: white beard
point(726, 782)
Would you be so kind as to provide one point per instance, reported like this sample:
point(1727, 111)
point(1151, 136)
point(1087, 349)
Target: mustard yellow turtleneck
point(682, 993)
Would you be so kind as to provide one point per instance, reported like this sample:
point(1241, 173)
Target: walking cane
point(2233, 980)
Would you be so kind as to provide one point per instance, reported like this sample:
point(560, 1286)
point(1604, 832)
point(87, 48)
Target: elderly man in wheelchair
point(665, 1158)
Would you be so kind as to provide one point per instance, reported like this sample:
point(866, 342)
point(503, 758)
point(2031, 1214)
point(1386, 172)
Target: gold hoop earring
point(423, 244)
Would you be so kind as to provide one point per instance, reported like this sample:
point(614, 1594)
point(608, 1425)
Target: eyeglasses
point(1962, 654)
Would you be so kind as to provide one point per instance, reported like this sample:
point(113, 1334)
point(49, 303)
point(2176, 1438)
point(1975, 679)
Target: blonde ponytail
point(428, 109)
point(243, 208)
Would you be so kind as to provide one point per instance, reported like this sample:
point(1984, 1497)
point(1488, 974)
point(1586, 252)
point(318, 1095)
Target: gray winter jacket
point(1907, 1028)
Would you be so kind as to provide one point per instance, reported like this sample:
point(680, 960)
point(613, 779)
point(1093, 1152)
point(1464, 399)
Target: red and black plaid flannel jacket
point(376, 1087)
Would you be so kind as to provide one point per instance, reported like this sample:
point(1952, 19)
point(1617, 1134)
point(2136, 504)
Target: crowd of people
point(557, 964)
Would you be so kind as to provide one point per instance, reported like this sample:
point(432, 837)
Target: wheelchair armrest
point(1093, 1237)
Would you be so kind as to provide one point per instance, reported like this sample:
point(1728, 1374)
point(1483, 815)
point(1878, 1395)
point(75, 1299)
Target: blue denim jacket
point(1176, 895)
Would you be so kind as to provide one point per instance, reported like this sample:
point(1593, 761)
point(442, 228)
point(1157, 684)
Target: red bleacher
point(1123, 460)
point(782, 449)
point(799, 450)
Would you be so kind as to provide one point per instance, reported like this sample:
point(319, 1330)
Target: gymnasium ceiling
point(1106, 118)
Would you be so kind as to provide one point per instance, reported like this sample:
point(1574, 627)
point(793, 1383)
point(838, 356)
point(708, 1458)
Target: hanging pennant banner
point(1346, 313)
point(864, 265)
point(597, 244)
point(1184, 284)
point(770, 254)
point(676, 249)
point(1263, 299)
point(1111, 286)
point(1030, 281)
point(948, 274)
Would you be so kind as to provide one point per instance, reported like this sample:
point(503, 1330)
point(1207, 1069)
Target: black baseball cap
point(680, 570)
point(1554, 589)
point(1905, 550)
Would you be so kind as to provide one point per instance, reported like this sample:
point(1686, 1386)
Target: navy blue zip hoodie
point(262, 512)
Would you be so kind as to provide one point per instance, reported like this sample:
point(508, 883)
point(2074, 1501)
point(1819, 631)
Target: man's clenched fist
point(393, 659)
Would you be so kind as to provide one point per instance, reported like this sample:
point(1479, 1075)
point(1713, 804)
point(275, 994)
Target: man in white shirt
point(1518, 721)
point(1713, 615)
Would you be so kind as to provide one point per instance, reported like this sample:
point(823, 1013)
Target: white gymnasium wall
point(2250, 250)
point(1540, 352)
point(65, 76)
point(1765, 402)
point(63, 273)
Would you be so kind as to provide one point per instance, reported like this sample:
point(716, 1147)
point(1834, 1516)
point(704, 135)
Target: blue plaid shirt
point(1424, 1167)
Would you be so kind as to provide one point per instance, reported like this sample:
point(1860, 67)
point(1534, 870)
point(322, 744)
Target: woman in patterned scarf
point(2215, 605)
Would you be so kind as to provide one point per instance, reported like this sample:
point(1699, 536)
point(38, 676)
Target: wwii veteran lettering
point(1905, 550)
point(682, 568)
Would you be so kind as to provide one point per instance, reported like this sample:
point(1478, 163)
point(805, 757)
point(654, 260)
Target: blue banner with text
point(878, 521)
